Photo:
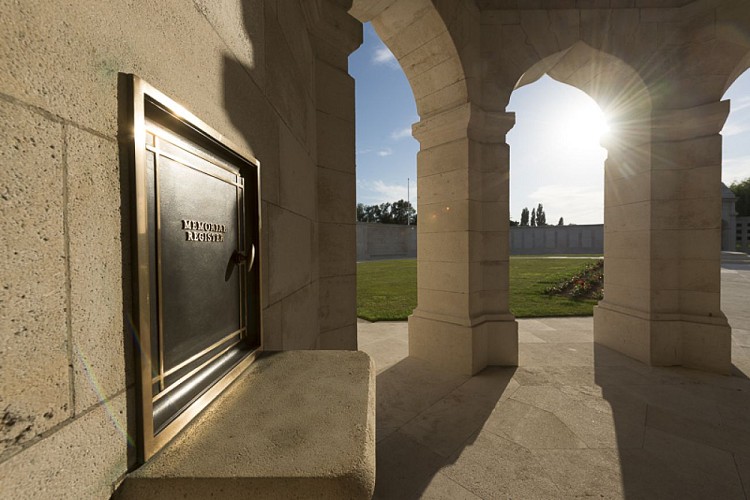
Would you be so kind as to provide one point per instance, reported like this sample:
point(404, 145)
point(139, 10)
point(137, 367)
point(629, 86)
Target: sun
point(583, 125)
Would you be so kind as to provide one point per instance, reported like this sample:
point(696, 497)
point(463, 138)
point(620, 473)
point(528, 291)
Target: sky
point(555, 160)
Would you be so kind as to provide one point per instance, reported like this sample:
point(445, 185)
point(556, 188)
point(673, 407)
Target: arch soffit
point(613, 84)
point(422, 36)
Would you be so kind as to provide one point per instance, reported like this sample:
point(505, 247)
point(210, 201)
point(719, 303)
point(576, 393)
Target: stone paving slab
point(573, 420)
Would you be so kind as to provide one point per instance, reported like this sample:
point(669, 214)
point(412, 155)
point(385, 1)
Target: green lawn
point(387, 290)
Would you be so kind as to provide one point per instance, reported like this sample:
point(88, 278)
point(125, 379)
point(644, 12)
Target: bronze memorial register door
point(196, 267)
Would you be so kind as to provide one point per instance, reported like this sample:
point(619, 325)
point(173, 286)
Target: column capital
point(689, 123)
point(466, 120)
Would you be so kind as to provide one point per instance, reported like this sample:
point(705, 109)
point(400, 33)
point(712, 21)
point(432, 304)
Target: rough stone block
point(97, 221)
point(83, 459)
point(296, 424)
point(34, 386)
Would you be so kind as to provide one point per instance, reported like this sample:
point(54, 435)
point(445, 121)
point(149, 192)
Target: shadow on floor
point(680, 433)
point(425, 419)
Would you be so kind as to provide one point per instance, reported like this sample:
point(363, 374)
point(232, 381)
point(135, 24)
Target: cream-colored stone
point(298, 177)
point(241, 29)
point(447, 246)
point(445, 276)
point(622, 332)
point(502, 342)
point(707, 347)
point(312, 433)
point(288, 85)
point(544, 40)
point(629, 272)
point(83, 459)
point(444, 98)
point(428, 55)
point(422, 31)
point(334, 92)
point(341, 339)
point(445, 157)
point(335, 143)
point(400, 15)
point(337, 246)
point(437, 79)
point(448, 186)
point(449, 303)
point(338, 302)
point(299, 318)
point(627, 244)
point(98, 224)
point(631, 217)
point(458, 349)
point(34, 386)
point(272, 333)
point(703, 275)
point(336, 196)
point(627, 296)
point(290, 253)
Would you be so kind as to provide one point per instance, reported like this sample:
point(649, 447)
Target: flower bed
point(587, 284)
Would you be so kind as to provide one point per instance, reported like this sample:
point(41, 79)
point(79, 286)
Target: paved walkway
point(573, 420)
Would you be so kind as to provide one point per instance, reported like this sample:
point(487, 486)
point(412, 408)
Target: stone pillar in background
point(662, 244)
point(462, 321)
point(335, 35)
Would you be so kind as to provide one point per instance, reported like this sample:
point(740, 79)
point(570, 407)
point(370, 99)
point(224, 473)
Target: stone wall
point(743, 235)
point(253, 71)
point(557, 240)
point(389, 241)
point(386, 241)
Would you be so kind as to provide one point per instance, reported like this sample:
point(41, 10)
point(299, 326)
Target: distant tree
point(514, 223)
point(399, 212)
point(533, 217)
point(541, 217)
point(560, 222)
point(525, 216)
point(402, 212)
point(741, 190)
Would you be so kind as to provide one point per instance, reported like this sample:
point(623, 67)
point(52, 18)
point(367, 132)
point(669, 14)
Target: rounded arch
point(419, 34)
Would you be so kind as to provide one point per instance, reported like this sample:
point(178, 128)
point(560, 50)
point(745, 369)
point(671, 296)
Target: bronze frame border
point(132, 137)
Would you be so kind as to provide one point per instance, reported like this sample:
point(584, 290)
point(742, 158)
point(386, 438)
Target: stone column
point(462, 321)
point(335, 35)
point(662, 244)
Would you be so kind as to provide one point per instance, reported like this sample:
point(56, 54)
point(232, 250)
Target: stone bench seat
point(296, 424)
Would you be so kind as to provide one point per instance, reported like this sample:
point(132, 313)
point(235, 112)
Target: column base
point(665, 339)
point(461, 348)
